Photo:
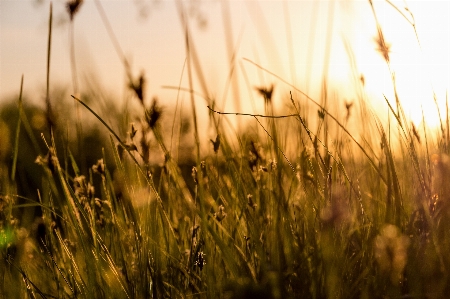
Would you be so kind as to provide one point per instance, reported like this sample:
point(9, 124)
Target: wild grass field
point(296, 205)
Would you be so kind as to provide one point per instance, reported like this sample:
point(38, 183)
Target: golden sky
point(301, 41)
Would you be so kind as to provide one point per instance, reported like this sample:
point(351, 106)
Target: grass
point(294, 207)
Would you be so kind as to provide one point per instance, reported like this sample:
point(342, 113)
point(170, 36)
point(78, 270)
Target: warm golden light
point(303, 42)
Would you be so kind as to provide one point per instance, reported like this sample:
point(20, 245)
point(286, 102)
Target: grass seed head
point(50, 160)
point(254, 155)
point(138, 87)
point(216, 143)
point(194, 174)
point(362, 79)
point(133, 131)
point(415, 132)
point(220, 215)
point(250, 202)
point(348, 107)
point(73, 6)
point(200, 260)
point(383, 48)
point(153, 115)
point(83, 189)
point(99, 167)
point(266, 93)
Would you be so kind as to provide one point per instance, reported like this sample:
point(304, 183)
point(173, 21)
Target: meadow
point(298, 204)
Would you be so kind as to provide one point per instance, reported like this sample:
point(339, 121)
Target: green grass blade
point(16, 142)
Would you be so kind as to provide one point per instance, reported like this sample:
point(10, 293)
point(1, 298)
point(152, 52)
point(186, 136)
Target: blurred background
point(302, 42)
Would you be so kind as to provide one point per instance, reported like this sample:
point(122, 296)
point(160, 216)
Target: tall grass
point(296, 206)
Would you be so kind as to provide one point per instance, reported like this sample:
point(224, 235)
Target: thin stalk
point(49, 44)
point(16, 142)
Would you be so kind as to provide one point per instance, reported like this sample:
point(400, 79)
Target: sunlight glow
point(301, 41)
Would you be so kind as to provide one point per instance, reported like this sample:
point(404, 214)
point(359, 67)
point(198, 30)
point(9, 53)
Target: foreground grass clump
point(241, 222)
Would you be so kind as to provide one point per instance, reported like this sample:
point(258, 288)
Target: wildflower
point(391, 252)
point(221, 214)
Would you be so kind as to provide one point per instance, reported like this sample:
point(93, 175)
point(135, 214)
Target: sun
point(418, 69)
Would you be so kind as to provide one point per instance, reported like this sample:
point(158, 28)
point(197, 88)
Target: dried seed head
point(348, 107)
point(50, 160)
point(362, 79)
point(200, 260)
point(254, 155)
point(133, 131)
point(138, 87)
point(435, 204)
point(266, 93)
point(99, 167)
point(250, 202)
point(216, 143)
point(83, 189)
point(194, 174)
point(14, 222)
point(72, 246)
point(221, 214)
point(321, 113)
point(98, 202)
point(415, 132)
point(72, 7)
point(273, 165)
point(263, 169)
point(383, 48)
point(130, 146)
point(5, 201)
point(153, 114)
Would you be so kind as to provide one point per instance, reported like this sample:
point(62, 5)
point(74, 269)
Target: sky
point(300, 41)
